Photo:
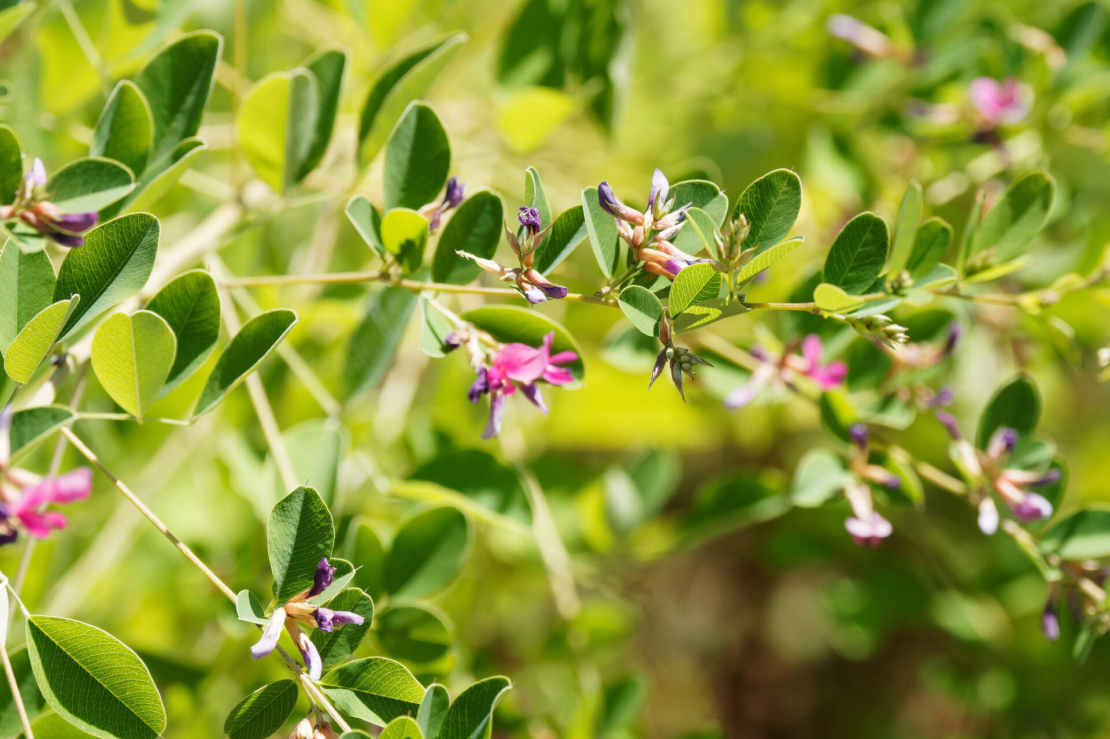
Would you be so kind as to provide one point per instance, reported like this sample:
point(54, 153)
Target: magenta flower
point(32, 207)
point(1008, 102)
point(519, 366)
point(783, 371)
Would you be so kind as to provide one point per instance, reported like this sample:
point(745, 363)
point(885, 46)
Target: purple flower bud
point(534, 295)
point(322, 580)
point(66, 239)
point(1050, 622)
point(76, 222)
point(37, 176)
point(480, 386)
point(1002, 441)
point(660, 362)
point(451, 341)
point(1049, 478)
point(455, 192)
point(945, 396)
point(673, 267)
point(952, 340)
point(608, 200)
point(554, 292)
point(858, 433)
point(327, 619)
point(530, 218)
point(950, 423)
point(1032, 507)
point(659, 189)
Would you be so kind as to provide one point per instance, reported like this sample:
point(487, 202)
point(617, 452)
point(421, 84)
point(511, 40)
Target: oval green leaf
point(905, 233)
point(26, 289)
point(374, 342)
point(694, 284)
point(37, 339)
point(474, 228)
point(858, 254)
point(124, 130)
point(433, 709)
point(427, 553)
point(329, 67)
point(263, 712)
point(471, 715)
point(190, 305)
point(642, 308)
point(11, 155)
point(1017, 217)
point(402, 727)
point(602, 230)
point(1016, 405)
point(254, 342)
point(132, 356)
point(89, 184)
point(929, 246)
point(298, 535)
point(417, 159)
point(771, 205)
point(374, 689)
point(276, 126)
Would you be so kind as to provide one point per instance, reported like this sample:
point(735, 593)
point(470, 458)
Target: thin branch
point(16, 697)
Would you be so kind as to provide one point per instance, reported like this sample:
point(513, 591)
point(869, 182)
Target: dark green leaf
point(417, 159)
point(329, 66)
point(602, 230)
point(298, 535)
point(341, 643)
point(414, 633)
point(254, 342)
point(433, 709)
point(373, 344)
point(123, 131)
point(263, 712)
point(771, 205)
point(427, 553)
point(568, 231)
point(11, 162)
point(190, 304)
point(474, 228)
point(1016, 405)
point(857, 256)
point(374, 689)
point(471, 715)
point(32, 425)
point(929, 246)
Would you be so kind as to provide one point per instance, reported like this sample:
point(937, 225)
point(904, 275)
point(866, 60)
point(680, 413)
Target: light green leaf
point(642, 308)
point(374, 689)
point(340, 643)
point(11, 153)
point(832, 299)
point(1017, 217)
point(820, 475)
point(1082, 535)
point(32, 425)
point(767, 257)
point(190, 305)
point(33, 701)
point(263, 712)
point(89, 184)
point(704, 196)
point(433, 709)
point(247, 608)
point(998, 270)
point(602, 230)
point(771, 205)
point(905, 234)
point(113, 265)
point(703, 228)
point(367, 221)
point(36, 341)
point(177, 82)
point(510, 323)
point(1016, 405)
point(400, 84)
point(858, 254)
point(328, 65)
point(355, 734)
point(276, 126)
point(11, 17)
point(374, 342)
point(132, 356)
point(929, 246)
point(417, 159)
point(254, 342)
point(405, 236)
point(427, 553)
point(158, 181)
point(567, 232)
point(401, 727)
point(93, 680)
point(414, 633)
point(474, 228)
point(707, 312)
point(123, 131)
point(471, 715)
point(26, 289)
point(938, 276)
point(694, 284)
point(298, 535)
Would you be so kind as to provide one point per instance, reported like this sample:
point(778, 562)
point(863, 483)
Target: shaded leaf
point(567, 232)
point(374, 343)
point(427, 553)
point(474, 228)
point(190, 305)
point(254, 342)
point(414, 633)
point(602, 230)
point(263, 712)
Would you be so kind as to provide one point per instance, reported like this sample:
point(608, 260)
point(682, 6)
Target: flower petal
point(270, 635)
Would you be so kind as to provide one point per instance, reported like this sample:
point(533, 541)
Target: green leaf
point(263, 712)
point(434, 330)
point(367, 221)
point(89, 184)
point(159, 181)
point(177, 82)
point(832, 299)
point(33, 701)
point(905, 234)
point(11, 17)
point(602, 230)
point(938, 276)
point(417, 159)
point(26, 288)
point(694, 284)
point(567, 232)
point(276, 125)
point(112, 266)
point(734, 501)
point(32, 425)
point(479, 477)
point(510, 323)
point(328, 65)
point(427, 553)
point(374, 689)
point(474, 228)
point(1082, 535)
point(123, 131)
point(471, 715)
point(405, 236)
point(837, 414)
point(341, 643)
point(535, 197)
point(1017, 217)
point(1016, 405)
point(355, 734)
point(771, 205)
point(414, 633)
point(373, 344)
point(247, 608)
point(190, 305)
point(433, 709)
point(998, 270)
point(365, 549)
point(819, 477)
point(929, 246)
point(315, 449)
point(11, 153)
point(704, 196)
point(857, 256)
point(37, 339)
point(400, 84)
point(402, 727)
point(701, 225)
point(93, 680)
point(642, 308)
point(974, 217)
point(254, 342)
point(767, 257)
point(132, 356)
point(298, 535)
point(707, 312)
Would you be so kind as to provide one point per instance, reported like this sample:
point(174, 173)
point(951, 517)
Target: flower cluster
point(452, 198)
point(532, 285)
point(681, 360)
point(24, 494)
point(986, 470)
point(649, 234)
point(32, 207)
point(300, 611)
point(513, 367)
point(777, 372)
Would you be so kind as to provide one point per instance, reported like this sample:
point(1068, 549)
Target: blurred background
point(696, 601)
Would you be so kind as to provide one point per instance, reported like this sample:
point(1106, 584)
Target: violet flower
point(1050, 622)
point(530, 219)
point(1000, 103)
point(519, 366)
point(33, 208)
point(778, 372)
point(452, 198)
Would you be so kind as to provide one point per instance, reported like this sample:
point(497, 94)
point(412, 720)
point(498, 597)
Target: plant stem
point(16, 697)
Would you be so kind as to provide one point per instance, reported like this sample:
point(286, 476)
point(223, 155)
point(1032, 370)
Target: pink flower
point(827, 376)
point(782, 371)
point(519, 366)
point(998, 103)
point(866, 525)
